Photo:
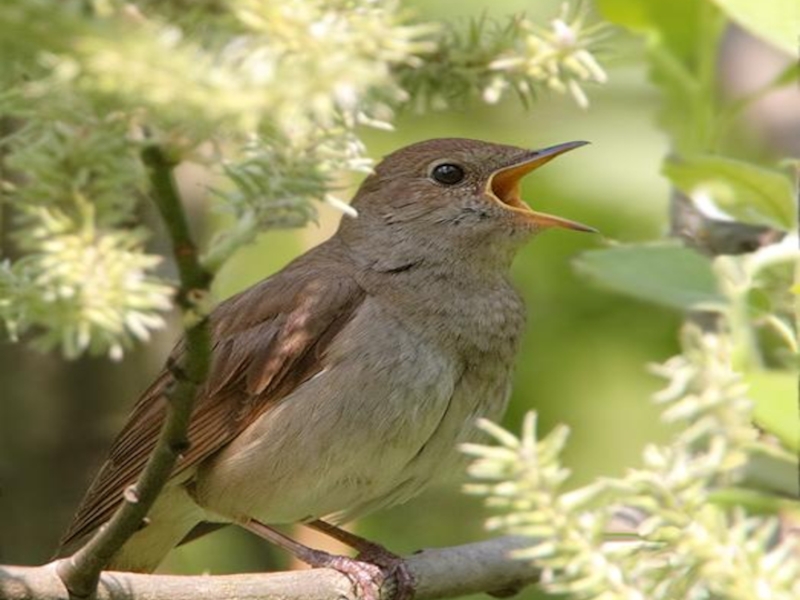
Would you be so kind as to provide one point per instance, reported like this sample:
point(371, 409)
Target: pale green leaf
point(777, 22)
point(749, 193)
point(677, 23)
point(666, 274)
point(755, 501)
point(776, 410)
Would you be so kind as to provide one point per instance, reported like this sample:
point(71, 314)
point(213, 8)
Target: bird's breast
point(383, 417)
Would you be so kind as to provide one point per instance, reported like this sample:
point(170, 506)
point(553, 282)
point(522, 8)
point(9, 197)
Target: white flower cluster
point(559, 57)
point(681, 543)
point(324, 59)
point(87, 289)
point(269, 93)
point(296, 65)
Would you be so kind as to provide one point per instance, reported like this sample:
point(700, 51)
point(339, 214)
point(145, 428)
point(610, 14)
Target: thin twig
point(81, 571)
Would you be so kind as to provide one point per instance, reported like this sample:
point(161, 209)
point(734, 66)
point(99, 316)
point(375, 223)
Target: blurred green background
point(583, 360)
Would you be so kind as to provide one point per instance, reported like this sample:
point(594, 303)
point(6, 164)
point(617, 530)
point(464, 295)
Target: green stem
point(168, 202)
point(712, 25)
point(81, 571)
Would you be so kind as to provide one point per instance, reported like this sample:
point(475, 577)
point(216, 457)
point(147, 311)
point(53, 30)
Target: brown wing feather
point(268, 340)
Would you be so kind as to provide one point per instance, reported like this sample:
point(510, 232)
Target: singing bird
point(345, 382)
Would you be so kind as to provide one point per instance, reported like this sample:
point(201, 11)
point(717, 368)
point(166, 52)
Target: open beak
point(504, 187)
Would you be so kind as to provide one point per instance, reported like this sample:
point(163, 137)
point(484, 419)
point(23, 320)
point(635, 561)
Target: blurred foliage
point(682, 544)
point(683, 54)
point(740, 190)
point(667, 274)
point(490, 57)
point(689, 536)
point(776, 22)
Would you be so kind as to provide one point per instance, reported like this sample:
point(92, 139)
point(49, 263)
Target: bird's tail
point(173, 516)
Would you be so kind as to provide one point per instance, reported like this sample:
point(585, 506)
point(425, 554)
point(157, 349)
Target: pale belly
point(343, 439)
point(307, 469)
point(373, 428)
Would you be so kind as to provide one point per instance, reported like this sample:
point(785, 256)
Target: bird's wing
point(267, 341)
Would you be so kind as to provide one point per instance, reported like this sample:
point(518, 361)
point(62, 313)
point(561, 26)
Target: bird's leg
point(367, 549)
point(363, 545)
point(366, 576)
point(371, 552)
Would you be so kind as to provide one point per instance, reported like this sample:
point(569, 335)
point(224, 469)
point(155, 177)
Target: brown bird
point(345, 382)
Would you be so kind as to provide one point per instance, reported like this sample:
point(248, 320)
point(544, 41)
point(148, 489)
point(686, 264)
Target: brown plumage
point(344, 382)
point(267, 340)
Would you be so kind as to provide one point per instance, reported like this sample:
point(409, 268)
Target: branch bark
point(439, 573)
point(80, 572)
point(712, 237)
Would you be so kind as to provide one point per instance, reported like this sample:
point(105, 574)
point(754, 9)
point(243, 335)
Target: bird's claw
point(394, 570)
point(369, 578)
point(366, 578)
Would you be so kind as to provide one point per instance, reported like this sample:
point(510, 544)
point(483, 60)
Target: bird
point(345, 382)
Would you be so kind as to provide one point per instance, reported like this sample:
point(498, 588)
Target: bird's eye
point(448, 174)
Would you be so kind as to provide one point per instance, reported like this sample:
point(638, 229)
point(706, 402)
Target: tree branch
point(712, 237)
point(80, 572)
point(439, 573)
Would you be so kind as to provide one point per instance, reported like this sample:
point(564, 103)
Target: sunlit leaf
point(676, 22)
point(682, 36)
point(772, 469)
point(777, 22)
point(747, 192)
point(666, 274)
point(755, 501)
point(776, 409)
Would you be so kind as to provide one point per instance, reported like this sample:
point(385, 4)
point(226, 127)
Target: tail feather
point(173, 516)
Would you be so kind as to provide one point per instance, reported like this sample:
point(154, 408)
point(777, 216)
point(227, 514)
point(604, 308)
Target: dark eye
point(448, 174)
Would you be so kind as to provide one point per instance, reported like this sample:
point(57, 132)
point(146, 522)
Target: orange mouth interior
point(505, 185)
point(504, 188)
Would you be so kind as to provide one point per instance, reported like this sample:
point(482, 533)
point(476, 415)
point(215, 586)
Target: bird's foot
point(394, 569)
point(366, 577)
point(393, 566)
point(374, 569)
point(372, 575)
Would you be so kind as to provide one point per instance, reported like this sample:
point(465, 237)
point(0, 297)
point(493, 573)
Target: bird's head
point(451, 196)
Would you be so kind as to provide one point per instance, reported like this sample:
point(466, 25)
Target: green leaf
point(682, 44)
point(756, 502)
point(789, 75)
point(776, 410)
point(771, 469)
point(777, 22)
point(666, 274)
point(676, 23)
point(749, 193)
